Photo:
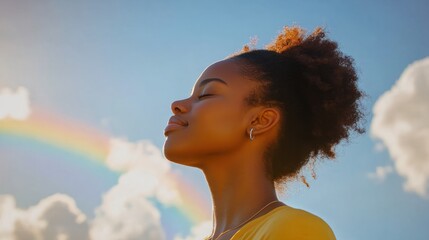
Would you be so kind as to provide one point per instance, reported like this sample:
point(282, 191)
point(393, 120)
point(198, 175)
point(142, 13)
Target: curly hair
point(315, 86)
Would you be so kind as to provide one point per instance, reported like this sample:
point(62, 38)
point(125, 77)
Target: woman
point(254, 120)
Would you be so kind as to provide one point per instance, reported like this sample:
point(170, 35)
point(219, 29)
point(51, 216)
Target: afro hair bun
point(315, 86)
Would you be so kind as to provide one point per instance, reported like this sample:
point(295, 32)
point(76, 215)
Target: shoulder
point(292, 223)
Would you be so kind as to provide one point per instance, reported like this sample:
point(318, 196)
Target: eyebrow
point(205, 81)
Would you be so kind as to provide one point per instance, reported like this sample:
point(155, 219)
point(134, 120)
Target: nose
point(178, 107)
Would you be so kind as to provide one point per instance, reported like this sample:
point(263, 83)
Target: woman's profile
point(254, 120)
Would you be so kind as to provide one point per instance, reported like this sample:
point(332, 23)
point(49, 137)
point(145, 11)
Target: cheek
point(218, 122)
point(213, 128)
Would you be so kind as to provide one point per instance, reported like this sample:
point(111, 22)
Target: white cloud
point(198, 232)
point(126, 217)
point(167, 193)
point(124, 156)
point(125, 212)
point(401, 122)
point(8, 217)
point(15, 105)
point(55, 217)
point(146, 170)
point(381, 173)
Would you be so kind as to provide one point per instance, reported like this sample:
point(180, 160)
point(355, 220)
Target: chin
point(175, 154)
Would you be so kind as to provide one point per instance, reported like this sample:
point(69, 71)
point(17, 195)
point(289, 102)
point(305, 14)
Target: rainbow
point(69, 136)
point(90, 144)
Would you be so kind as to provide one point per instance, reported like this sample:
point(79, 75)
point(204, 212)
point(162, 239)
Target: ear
point(265, 120)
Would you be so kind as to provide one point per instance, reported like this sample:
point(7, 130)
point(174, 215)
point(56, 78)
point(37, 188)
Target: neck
point(239, 189)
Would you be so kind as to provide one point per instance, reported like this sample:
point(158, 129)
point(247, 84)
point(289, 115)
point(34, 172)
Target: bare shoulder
point(293, 223)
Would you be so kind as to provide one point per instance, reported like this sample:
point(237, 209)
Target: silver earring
point(251, 134)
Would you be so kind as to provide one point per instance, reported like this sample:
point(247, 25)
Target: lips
point(177, 120)
point(174, 123)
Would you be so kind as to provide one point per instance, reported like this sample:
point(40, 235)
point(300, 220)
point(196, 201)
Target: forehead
point(226, 70)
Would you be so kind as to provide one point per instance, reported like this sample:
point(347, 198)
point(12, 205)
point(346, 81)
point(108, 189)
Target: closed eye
point(205, 95)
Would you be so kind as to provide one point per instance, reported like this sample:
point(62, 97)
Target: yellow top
point(285, 223)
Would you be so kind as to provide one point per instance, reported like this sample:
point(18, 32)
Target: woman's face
point(214, 120)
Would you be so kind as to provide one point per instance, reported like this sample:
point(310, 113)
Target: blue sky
point(118, 65)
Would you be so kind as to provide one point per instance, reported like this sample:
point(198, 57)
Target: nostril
point(178, 107)
point(177, 110)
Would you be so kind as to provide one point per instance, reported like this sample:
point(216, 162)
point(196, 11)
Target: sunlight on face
point(211, 121)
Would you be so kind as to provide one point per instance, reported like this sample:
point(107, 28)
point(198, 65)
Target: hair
point(314, 85)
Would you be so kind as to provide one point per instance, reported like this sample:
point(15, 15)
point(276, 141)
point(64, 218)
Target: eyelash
point(205, 95)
